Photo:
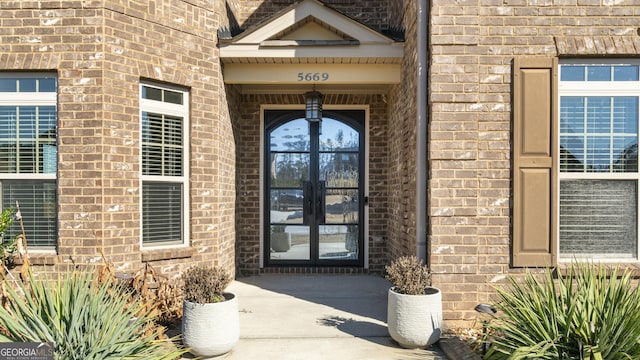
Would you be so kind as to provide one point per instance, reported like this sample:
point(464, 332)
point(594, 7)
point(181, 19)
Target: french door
point(314, 189)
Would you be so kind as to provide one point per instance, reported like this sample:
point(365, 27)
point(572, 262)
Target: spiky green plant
point(7, 244)
point(83, 319)
point(590, 312)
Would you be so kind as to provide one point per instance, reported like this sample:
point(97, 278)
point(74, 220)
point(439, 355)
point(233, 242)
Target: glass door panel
point(314, 188)
point(340, 176)
point(339, 242)
point(289, 236)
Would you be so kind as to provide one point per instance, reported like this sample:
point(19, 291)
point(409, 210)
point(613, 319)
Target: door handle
point(307, 205)
point(322, 209)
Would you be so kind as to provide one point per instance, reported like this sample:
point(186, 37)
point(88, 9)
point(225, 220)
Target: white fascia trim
point(364, 50)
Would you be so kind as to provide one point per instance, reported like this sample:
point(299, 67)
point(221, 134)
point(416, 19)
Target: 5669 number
point(302, 76)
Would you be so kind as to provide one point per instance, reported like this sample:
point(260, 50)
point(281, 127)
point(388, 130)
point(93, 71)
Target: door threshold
point(343, 270)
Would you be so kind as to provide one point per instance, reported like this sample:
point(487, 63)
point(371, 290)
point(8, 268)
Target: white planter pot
point(415, 321)
point(280, 242)
point(211, 329)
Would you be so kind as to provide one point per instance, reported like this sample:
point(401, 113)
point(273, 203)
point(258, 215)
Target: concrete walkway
point(309, 317)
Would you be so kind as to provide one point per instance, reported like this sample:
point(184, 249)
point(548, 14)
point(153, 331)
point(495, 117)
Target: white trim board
point(311, 74)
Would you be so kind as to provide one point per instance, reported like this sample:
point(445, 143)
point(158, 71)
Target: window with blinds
point(28, 139)
point(162, 209)
point(162, 146)
point(599, 217)
point(598, 139)
point(29, 154)
point(37, 201)
point(164, 115)
point(599, 134)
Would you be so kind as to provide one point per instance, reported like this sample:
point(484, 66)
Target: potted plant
point(210, 322)
point(414, 308)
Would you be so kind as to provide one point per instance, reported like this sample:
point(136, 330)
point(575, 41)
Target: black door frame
point(355, 118)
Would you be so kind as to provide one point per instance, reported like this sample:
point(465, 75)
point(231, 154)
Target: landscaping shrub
point(587, 312)
point(85, 319)
point(204, 285)
point(408, 275)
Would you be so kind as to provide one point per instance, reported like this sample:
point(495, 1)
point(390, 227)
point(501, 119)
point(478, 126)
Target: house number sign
point(303, 74)
point(313, 76)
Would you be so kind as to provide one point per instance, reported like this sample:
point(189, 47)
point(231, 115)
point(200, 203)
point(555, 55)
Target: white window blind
point(599, 217)
point(599, 134)
point(162, 209)
point(162, 146)
point(28, 139)
point(38, 206)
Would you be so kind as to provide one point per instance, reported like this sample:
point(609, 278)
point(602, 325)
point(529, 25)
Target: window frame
point(610, 89)
point(49, 98)
point(171, 109)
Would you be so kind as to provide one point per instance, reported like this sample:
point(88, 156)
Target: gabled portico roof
point(304, 36)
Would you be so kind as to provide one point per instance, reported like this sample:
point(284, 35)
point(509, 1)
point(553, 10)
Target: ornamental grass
point(587, 311)
point(85, 319)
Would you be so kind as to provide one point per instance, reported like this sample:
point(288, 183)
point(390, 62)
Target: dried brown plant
point(204, 285)
point(408, 275)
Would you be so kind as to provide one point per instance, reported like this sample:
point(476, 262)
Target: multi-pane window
point(164, 119)
point(28, 154)
point(599, 107)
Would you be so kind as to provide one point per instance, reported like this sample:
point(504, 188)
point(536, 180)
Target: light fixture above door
point(313, 109)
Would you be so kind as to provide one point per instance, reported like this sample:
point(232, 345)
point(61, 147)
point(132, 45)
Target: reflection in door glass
point(339, 242)
point(338, 136)
point(292, 136)
point(286, 205)
point(339, 169)
point(341, 206)
point(289, 170)
point(289, 242)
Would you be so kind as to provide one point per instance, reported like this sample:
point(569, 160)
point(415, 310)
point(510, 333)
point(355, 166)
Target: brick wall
point(402, 144)
point(248, 170)
point(473, 44)
point(101, 50)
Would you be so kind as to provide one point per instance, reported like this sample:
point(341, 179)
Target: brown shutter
point(534, 174)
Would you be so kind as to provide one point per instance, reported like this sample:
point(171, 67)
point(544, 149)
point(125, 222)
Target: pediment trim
point(307, 30)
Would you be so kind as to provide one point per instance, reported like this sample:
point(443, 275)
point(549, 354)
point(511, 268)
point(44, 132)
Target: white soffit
point(314, 38)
